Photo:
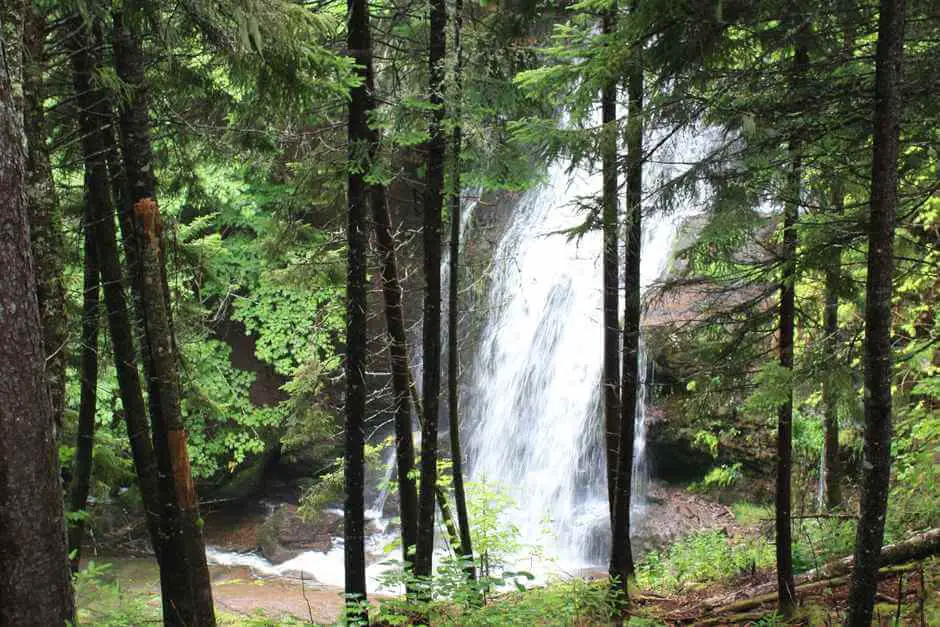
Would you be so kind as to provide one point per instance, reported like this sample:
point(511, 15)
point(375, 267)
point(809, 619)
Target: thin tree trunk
point(398, 340)
point(181, 523)
point(453, 361)
point(786, 601)
point(94, 120)
point(398, 358)
point(832, 494)
point(44, 216)
point(359, 44)
point(876, 469)
point(433, 203)
point(611, 278)
point(35, 588)
point(621, 554)
point(440, 493)
point(85, 441)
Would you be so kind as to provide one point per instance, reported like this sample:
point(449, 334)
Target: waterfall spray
point(533, 404)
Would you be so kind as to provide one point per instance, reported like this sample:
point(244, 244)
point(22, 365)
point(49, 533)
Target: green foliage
point(570, 602)
point(701, 558)
point(102, 601)
point(723, 476)
point(751, 514)
point(495, 541)
point(819, 540)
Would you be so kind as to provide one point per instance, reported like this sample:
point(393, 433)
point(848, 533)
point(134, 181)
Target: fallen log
point(917, 547)
point(736, 619)
point(801, 590)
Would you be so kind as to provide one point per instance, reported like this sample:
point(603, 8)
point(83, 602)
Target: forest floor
point(244, 596)
point(907, 595)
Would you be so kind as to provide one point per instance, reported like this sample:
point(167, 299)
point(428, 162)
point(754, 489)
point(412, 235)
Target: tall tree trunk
point(831, 492)
point(401, 377)
point(35, 588)
point(398, 340)
point(358, 44)
point(453, 361)
point(433, 203)
point(621, 553)
point(44, 216)
point(94, 127)
point(876, 469)
point(611, 278)
point(182, 524)
point(403, 387)
point(85, 441)
point(786, 601)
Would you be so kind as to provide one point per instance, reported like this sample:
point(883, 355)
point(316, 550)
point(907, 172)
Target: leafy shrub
point(700, 558)
point(723, 476)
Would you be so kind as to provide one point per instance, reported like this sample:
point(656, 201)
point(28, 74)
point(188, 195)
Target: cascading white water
point(533, 407)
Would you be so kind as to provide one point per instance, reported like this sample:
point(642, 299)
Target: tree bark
point(85, 441)
point(433, 203)
point(876, 466)
point(621, 554)
point(358, 44)
point(786, 600)
point(398, 340)
point(453, 357)
point(611, 272)
point(401, 372)
point(44, 216)
point(182, 524)
point(34, 575)
point(94, 127)
point(831, 492)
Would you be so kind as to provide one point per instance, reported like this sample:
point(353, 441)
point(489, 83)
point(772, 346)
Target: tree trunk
point(401, 372)
point(85, 441)
point(876, 468)
point(786, 601)
point(358, 44)
point(433, 203)
point(44, 216)
point(453, 357)
point(621, 554)
point(181, 521)
point(34, 575)
point(611, 278)
point(94, 127)
point(831, 492)
point(398, 340)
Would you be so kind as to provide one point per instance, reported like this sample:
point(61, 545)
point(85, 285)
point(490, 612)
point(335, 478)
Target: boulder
point(285, 534)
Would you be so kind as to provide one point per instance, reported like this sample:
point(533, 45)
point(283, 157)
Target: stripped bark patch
point(183, 477)
point(148, 212)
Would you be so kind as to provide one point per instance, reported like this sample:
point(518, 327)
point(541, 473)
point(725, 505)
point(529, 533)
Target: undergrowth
point(702, 558)
point(572, 602)
point(103, 602)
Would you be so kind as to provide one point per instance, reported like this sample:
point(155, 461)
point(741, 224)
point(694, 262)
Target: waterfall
point(533, 406)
